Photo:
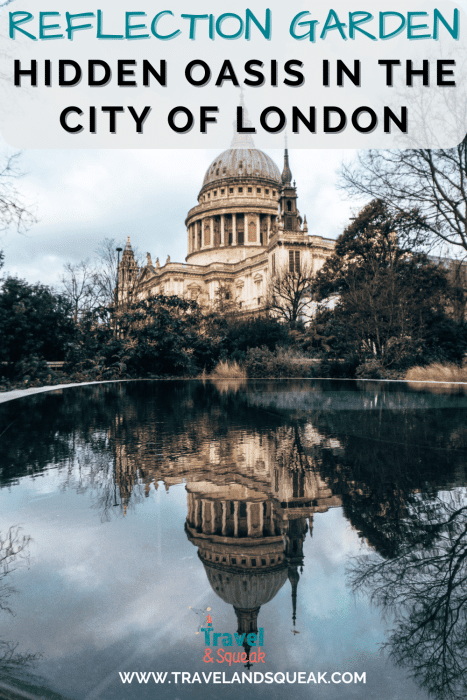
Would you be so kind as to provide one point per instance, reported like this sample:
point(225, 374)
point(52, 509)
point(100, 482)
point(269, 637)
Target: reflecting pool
point(310, 527)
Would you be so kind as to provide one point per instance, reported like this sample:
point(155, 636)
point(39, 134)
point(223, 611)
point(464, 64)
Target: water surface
point(332, 515)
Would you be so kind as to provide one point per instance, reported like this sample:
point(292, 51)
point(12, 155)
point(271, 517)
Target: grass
point(228, 370)
point(437, 372)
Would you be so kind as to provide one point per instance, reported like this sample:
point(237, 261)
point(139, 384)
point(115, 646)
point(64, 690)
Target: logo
point(205, 619)
point(216, 641)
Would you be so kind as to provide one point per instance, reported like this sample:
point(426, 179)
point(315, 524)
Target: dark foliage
point(153, 337)
point(391, 304)
point(33, 322)
point(262, 362)
point(242, 335)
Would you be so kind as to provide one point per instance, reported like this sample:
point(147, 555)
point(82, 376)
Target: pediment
point(147, 273)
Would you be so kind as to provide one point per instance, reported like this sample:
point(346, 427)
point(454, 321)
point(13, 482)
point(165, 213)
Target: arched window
point(289, 205)
point(294, 260)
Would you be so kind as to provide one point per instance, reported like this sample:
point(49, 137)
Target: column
point(248, 519)
point(202, 233)
point(224, 518)
point(213, 518)
point(234, 229)
point(197, 506)
point(235, 518)
point(190, 508)
point(222, 231)
point(211, 238)
point(269, 229)
point(203, 507)
point(245, 229)
point(266, 531)
point(258, 232)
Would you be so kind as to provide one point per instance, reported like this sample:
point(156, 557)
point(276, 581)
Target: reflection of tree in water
point(97, 437)
point(17, 676)
point(13, 547)
point(110, 440)
point(425, 587)
point(387, 457)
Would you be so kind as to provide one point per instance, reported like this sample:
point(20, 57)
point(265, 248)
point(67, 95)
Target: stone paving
point(19, 393)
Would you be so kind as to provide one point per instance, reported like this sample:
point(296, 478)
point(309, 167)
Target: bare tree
point(90, 284)
point(78, 286)
point(429, 185)
point(105, 274)
point(13, 209)
point(289, 294)
point(224, 301)
point(423, 590)
point(13, 546)
point(14, 212)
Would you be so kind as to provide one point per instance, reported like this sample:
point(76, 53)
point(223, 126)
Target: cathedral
point(245, 229)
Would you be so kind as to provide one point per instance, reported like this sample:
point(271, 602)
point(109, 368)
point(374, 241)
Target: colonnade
point(229, 518)
point(233, 228)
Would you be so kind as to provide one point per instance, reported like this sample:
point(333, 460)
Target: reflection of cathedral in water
point(251, 542)
point(251, 502)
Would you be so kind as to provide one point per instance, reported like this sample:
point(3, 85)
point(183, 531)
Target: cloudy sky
point(83, 196)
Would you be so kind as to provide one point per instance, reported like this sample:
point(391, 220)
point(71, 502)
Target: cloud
point(83, 196)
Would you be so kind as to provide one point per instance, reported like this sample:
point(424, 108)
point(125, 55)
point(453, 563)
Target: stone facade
point(245, 229)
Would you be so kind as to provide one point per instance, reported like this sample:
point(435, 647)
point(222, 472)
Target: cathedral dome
point(245, 589)
point(242, 162)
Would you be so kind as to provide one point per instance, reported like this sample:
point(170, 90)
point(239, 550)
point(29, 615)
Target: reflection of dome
point(245, 589)
point(242, 162)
